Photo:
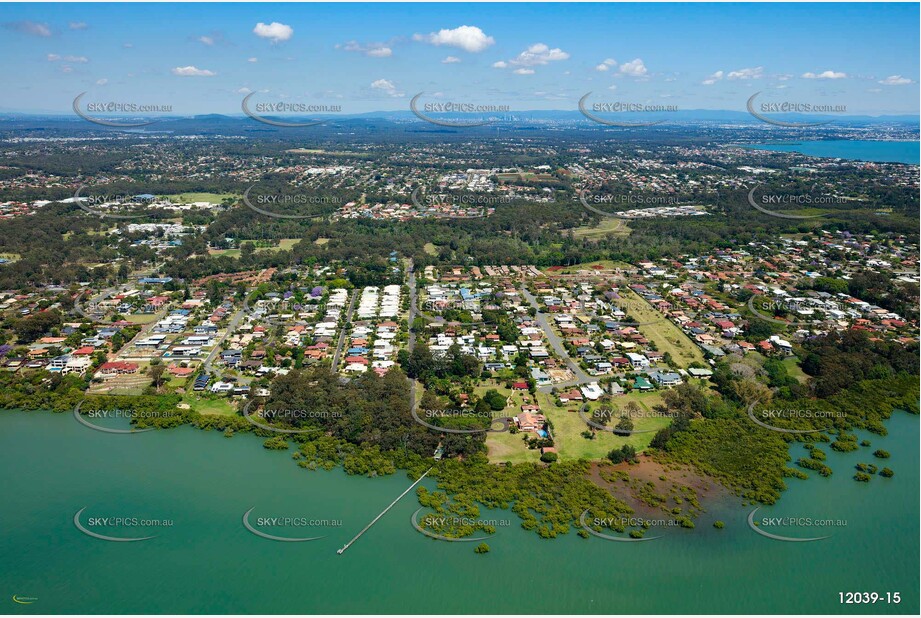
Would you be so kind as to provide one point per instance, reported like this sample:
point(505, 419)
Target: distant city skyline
point(204, 58)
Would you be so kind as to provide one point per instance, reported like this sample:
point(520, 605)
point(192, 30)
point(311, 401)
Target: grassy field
point(137, 318)
point(188, 198)
point(331, 153)
point(506, 447)
point(209, 406)
point(285, 244)
point(613, 226)
point(568, 427)
point(430, 249)
point(794, 370)
point(604, 264)
point(666, 335)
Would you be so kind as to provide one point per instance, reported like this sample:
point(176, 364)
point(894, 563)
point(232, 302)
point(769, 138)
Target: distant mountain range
point(543, 116)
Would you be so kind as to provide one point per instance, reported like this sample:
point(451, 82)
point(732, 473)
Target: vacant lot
point(188, 198)
point(607, 226)
point(568, 426)
point(666, 335)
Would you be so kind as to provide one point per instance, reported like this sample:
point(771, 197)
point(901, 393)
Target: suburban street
point(343, 333)
point(557, 343)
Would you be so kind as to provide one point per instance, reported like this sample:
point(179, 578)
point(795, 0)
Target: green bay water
point(207, 562)
point(876, 151)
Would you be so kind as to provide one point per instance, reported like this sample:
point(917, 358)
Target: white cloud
point(387, 86)
point(127, 45)
point(451, 60)
point(77, 25)
point(715, 77)
point(243, 90)
point(253, 59)
point(373, 50)
point(499, 65)
point(467, 38)
point(612, 87)
point(207, 40)
point(895, 80)
point(634, 68)
point(275, 31)
point(539, 54)
point(523, 71)
point(606, 64)
point(57, 58)
point(102, 82)
point(29, 27)
point(191, 71)
point(749, 73)
point(825, 75)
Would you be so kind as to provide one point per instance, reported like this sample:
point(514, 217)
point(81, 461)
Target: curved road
point(557, 343)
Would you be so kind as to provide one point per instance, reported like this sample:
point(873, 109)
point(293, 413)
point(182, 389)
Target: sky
point(204, 58)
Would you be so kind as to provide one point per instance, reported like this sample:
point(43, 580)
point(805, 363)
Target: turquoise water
point(206, 562)
point(858, 150)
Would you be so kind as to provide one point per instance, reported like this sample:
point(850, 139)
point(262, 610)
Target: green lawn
point(604, 264)
point(666, 335)
point(188, 198)
point(285, 244)
point(507, 447)
point(204, 405)
point(141, 318)
point(794, 370)
point(616, 227)
point(568, 427)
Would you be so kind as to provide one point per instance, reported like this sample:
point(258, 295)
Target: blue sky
point(203, 58)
